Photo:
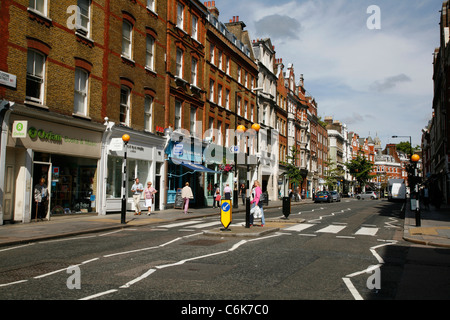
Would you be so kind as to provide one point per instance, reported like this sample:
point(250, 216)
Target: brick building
point(185, 96)
point(86, 73)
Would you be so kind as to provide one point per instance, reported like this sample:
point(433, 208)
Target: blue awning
point(197, 167)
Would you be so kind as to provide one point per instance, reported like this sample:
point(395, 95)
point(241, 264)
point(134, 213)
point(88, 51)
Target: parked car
point(335, 196)
point(367, 195)
point(323, 196)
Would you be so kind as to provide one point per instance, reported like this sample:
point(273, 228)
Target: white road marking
point(367, 231)
point(180, 224)
point(299, 227)
point(332, 229)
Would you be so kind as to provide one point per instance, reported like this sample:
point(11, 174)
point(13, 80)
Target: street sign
point(234, 149)
point(116, 144)
point(225, 213)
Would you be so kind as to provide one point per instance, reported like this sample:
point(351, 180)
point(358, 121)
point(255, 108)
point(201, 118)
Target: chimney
point(211, 5)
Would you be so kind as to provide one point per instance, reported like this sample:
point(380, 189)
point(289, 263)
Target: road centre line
point(181, 262)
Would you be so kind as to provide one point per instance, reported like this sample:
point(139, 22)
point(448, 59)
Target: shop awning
point(197, 167)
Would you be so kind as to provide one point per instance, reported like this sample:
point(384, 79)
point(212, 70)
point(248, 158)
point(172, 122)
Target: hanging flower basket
point(226, 167)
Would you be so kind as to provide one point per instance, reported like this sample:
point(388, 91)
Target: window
point(150, 53)
point(227, 99)
point(125, 106)
point(127, 31)
point(211, 90)
point(83, 22)
point(194, 67)
point(39, 5)
point(220, 136)
point(194, 27)
point(211, 54)
point(35, 76)
point(193, 119)
point(239, 74)
point(180, 16)
point(238, 107)
point(151, 5)
point(177, 124)
point(246, 79)
point(211, 127)
point(220, 60)
point(227, 67)
point(148, 113)
point(219, 95)
point(179, 72)
point(245, 109)
point(81, 92)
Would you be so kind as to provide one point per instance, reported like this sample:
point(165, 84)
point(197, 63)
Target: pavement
point(433, 231)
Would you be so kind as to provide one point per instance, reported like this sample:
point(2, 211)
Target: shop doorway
point(157, 195)
point(41, 210)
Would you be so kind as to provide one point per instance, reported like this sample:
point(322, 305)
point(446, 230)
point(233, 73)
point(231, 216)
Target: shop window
point(114, 181)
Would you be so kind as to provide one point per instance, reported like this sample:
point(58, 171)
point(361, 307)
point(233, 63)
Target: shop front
point(145, 160)
point(63, 153)
point(186, 164)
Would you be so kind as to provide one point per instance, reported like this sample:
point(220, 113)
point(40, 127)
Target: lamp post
point(125, 139)
point(414, 159)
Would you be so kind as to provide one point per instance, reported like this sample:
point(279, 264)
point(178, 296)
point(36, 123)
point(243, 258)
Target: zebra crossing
point(332, 229)
point(312, 229)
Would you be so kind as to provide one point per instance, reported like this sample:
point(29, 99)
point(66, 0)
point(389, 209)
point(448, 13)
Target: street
point(351, 250)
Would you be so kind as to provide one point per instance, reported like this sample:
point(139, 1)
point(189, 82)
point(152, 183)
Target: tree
point(334, 174)
point(360, 168)
point(406, 147)
point(293, 172)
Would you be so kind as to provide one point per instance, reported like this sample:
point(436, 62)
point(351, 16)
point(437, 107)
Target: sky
point(371, 70)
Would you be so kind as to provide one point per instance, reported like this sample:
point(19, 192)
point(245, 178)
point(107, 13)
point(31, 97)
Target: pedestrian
point(186, 194)
point(217, 199)
point(227, 192)
point(243, 191)
point(149, 198)
point(41, 198)
point(137, 189)
point(256, 201)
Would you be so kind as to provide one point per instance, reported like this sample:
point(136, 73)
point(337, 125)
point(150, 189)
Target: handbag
point(256, 211)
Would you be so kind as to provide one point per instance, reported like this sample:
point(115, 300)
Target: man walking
point(137, 189)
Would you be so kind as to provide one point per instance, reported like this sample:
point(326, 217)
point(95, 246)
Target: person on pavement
point(256, 201)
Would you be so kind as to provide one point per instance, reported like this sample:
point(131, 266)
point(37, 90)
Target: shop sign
point(44, 135)
point(19, 129)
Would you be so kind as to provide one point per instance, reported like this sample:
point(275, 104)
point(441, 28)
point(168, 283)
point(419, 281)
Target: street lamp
point(125, 139)
point(414, 159)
